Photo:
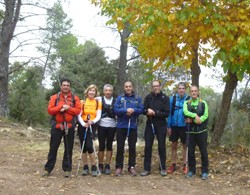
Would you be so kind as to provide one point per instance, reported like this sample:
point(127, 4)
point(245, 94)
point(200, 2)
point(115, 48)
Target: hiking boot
point(107, 169)
point(85, 170)
point(132, 171)
point(171, 169)
point(45, 174)
point(101, 168)
point(118, 172)
point(163, 173)
point(204, 176)
point(94, 170)
point(145, 173)
point(190, 174)
point(66, 174)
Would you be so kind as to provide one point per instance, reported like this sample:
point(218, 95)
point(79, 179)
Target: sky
point(89, 25)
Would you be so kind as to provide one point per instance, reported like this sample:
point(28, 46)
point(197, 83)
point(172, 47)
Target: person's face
point(108, 92)
point(91, 93)
point(156, 87)
point(128, 88)
point(194, 92)
point(181, 90)
point(65, 87)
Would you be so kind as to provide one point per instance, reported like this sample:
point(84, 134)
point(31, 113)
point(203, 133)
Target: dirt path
point(23, 156)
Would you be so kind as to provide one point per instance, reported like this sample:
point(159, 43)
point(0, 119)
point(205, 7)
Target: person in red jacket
point(64, 107)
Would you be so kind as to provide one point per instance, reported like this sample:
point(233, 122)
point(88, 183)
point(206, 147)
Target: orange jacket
point(66, 116)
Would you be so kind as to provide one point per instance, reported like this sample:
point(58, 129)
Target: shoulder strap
point(57, 98)
point(173, 104)
point(96, 104)
point(73, 99)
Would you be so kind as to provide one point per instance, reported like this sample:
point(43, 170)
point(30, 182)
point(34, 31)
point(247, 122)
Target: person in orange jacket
point(64, 107)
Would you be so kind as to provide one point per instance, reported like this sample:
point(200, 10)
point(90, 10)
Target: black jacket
point(160, 104)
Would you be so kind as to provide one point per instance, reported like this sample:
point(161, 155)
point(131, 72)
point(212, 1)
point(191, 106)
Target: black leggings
point(106, 137)
point(88, 145)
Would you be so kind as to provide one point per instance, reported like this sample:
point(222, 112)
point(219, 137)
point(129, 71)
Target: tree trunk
point(11, 15)
point(122, 75)
point(220, 124)
point(195, 68)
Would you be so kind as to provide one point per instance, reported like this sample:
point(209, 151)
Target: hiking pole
point(153, 130)
point(187, 143)
point(96, 157)
point(80, 158)
point(126, 140)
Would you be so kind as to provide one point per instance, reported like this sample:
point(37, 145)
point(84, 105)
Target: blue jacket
point(123, 102)
point(176, 117)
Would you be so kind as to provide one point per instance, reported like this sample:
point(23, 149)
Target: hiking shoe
point(204, 176)
point(163, 173)
point(66, 174)
point(118, 172)
point(45, 174)
point(85, 170)
point(107, 169)
point(185, 169)
point(132, 171)
point(145, 173)
point(95, 173)
point(101, 168)
point(171, 169)
point(190, 174)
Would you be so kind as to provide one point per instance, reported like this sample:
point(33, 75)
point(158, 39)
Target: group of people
point(180, 116)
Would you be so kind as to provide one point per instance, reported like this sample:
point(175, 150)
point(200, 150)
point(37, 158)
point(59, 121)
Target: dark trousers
point(199, 139)
point(55, 140)
point(132, 139)
point(88, 145)
point(160, 133)
point(106, 137)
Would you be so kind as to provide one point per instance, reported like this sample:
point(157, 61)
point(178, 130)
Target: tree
point(83, 64)
point(57, 25)
point(27, 97)
point(10, 19)
point(177, 32)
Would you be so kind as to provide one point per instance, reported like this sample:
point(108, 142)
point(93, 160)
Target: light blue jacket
point(176, 116)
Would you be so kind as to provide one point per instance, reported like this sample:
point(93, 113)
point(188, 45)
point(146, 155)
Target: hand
point(130, 111)
point(90, 122)
point(150, 112)
point(169, 131)
point(188, 120)
point(66, 107)
point(198, 120)
point(62, 110)
point(86, 125)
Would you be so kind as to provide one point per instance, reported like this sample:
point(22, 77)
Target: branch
point(19, 67)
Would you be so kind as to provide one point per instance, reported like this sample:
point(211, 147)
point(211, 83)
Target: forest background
point(165, 40)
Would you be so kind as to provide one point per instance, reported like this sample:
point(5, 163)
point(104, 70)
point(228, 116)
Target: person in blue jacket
point(128, 107)
point(176, 126)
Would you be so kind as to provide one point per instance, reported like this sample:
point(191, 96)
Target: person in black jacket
point(156, 107)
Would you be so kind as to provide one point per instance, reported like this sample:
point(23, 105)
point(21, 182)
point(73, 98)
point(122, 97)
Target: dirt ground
point(24, 152)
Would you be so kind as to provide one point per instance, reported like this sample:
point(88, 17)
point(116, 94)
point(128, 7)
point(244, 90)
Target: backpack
point(199, 107)
point(84, 103)
point(174, 102)
point(72, 99)
point(107, 110)
point(73, 102)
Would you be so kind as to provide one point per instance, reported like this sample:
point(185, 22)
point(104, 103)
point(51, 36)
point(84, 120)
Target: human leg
point(55, 140)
